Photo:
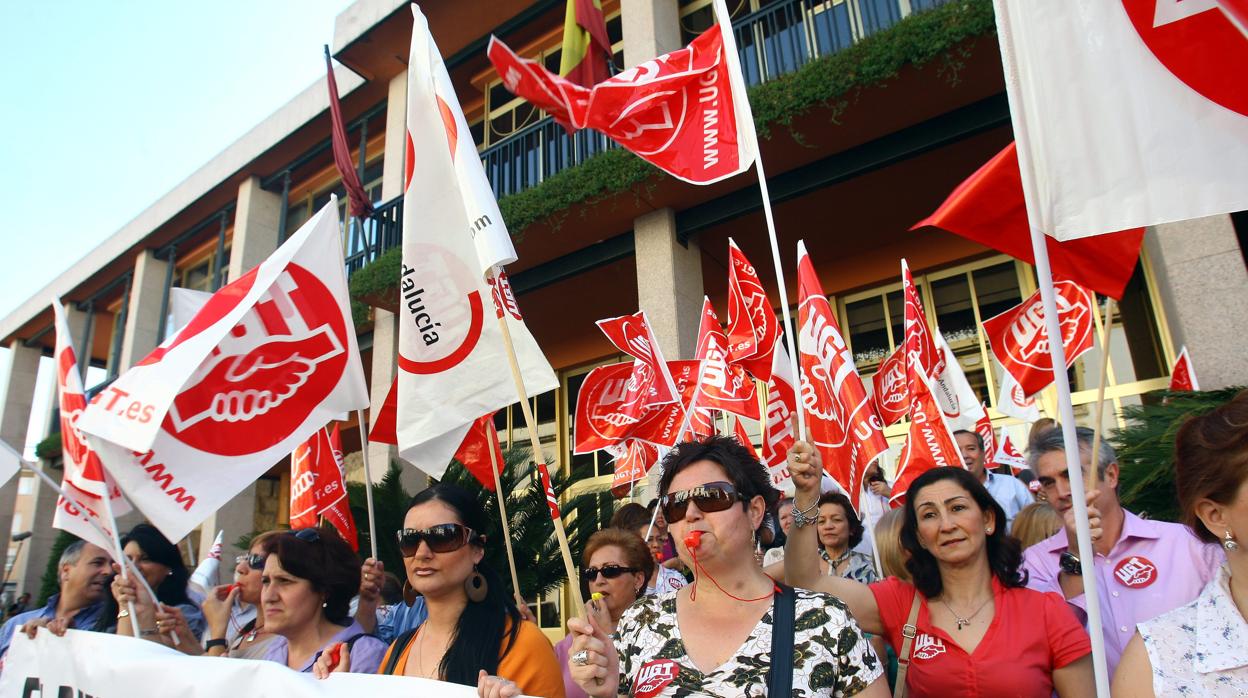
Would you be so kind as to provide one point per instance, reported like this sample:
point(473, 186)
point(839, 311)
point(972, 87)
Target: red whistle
point(693, 540)
point(334, 656)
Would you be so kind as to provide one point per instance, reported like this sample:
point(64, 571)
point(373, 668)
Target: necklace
point(963, 622)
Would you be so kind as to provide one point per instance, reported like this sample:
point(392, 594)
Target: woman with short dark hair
point(161, 565)
point(979, 629)
point(840, 532)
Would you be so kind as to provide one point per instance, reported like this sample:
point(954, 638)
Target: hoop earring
point(475, 586)
point(1229, 542)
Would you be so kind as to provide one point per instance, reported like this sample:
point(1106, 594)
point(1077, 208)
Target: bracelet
point(216, 642)
point(801, 518)
point(123, 613)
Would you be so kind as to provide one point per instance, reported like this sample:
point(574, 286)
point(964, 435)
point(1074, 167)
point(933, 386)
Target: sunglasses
point(443, 538)
point(608, 571)
point(255, 562)
point(711, 497)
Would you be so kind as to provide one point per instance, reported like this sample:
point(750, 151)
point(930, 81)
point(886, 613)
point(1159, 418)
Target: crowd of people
point(972, 586)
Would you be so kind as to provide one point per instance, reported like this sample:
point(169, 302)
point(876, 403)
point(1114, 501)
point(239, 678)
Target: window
point(301, 209)
point(26, 485)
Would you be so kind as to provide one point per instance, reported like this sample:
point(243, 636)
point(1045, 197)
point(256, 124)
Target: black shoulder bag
point(780, 675)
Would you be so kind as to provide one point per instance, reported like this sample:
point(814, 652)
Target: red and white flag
point(1100, 152)
point(317, 488)
point(929, 444)
point(777, 424)
point(921, 354)
point(1008, 454)
point(725, 386)
point(983, 427)
point(753, 330)
point(632, 335)
point(452, 367)
point(633, 460)
point(610, 408)
point(84, 477)
point(1020, 341)
point(474, 451)
point(958, 401)
point(743, 437)
point(1013, 402)
point(889, 387)
point(685, 112)
point(842, 420)
point(1183, 375)
point(267, 361)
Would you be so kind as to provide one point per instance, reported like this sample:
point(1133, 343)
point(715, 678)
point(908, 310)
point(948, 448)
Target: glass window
point(26, 485)
point(868, 334)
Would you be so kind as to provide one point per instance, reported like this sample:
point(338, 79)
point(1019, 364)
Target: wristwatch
point(1070, 564)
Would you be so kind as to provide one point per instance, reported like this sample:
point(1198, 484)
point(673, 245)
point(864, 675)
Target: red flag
point(929, 443)
point(753, 330)
point(889, 384)
point(316, 485)
point(777, 426)
point(474, 452)
point(551, 500)
point(586, 46)
point(725, 386)
point(1020, 342)
point(383, 429)
point(739, 432)
point(843, 423)
point(633, 459)
point(631, 334)
point(685, 112)
point(358, 199)
point(983, 427)
point(988, 208)
point(1183, 376)
point(609, 408)
point(920, 347)
point(1008, 454)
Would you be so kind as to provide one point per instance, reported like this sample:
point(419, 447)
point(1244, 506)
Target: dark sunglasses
point(443, 538)
point(608, 571)
point(255, 562)
point(711, 497)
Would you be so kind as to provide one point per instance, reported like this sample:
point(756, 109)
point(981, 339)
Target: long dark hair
point(1005, 554)
point(482, 629)
point(172, 589)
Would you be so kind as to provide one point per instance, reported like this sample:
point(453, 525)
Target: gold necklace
point(963, 622)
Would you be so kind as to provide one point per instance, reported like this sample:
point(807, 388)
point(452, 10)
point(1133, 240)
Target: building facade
point(870, 113)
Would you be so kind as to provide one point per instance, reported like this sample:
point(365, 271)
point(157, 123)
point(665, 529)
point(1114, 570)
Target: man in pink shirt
point(1143, 568)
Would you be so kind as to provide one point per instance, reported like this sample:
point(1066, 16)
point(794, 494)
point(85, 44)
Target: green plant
point(50, 448)
point(50, 582)
point(1145, 447)
point(389, 507)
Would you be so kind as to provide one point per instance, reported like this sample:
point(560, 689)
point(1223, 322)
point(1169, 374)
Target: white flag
point(452, 365)
point(1013, 402)
point(958, 402)
point(205, 576)
point(1126, 114)
point(268, 360)
point(10, 462)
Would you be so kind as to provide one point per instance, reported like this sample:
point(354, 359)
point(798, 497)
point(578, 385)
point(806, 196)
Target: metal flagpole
point(368, 483)
point(1066, 416)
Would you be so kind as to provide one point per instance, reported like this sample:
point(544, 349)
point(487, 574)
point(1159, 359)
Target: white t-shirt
point(666, 580)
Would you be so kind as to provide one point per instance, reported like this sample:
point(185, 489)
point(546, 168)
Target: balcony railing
point(378, 234)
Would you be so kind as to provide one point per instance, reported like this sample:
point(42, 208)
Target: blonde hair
point(1035, 523)
point(888, 544)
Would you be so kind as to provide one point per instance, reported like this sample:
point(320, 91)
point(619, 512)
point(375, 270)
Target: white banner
point(101, 665)
point(957, 400)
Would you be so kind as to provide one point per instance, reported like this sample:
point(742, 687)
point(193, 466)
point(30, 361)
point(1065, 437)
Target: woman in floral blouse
point(840, 532)
point(714, 636)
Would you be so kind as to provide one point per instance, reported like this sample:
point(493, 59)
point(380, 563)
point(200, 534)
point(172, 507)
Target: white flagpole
point(368, 483)
point(1066, 416)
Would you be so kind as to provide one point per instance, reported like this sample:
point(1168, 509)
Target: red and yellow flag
point(585, 43)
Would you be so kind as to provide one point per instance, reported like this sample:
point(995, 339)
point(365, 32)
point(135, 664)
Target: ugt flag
point(1127, 113)
point(1021, 343)
point(267, 361)
point(753, 330)
point(685, 112)
point(452, 366)
point(317, 488)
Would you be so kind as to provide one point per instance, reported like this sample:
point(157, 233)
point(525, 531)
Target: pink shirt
point(1153, 568)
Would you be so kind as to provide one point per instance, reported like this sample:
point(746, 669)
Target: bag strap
point(397, 648)
point(780, 674)
point(908, 631)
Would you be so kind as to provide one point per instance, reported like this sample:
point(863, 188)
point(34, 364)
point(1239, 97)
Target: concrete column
point(19, 396)
point(651, 28)
point(139, 337)
point(392, 169)
point(255, 227)
point(1203, 285)
point(384, 368)
point(669, 283)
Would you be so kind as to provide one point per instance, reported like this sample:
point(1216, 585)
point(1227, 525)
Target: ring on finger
point(580, 658)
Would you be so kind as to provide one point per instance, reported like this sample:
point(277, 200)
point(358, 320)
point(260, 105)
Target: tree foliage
point(50, 583)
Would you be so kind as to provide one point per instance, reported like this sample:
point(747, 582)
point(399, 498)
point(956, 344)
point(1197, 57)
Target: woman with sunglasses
point(227, 637)
point(161, 565)
point(474, 635)
point(980, 630)
point(714, 637)
point(309, 578)
point(617, 564)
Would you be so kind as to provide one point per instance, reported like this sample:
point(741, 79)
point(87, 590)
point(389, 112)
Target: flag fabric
point(921, 355)
point(317, 487)
point(1014, 402)
point(889, 387)
point(725, 386)
point(929, 443)
point(586, 46)
point(685, 112)
point(267, 361)
point(633, 460)
point(357, 198)
point(753, 330)
point(1100, 153)
point(843, 424)
point(1020, 341)
point(83, 477)
point(777, 424)
point(10, 463)
point(743, 437)
point(988, 208)
point(206, 576)
point(1008, 454)
point(632, 335)
point(610, 408)
point(474, 452)
point(958, 401)
point(1183, 375)
point(983, 427)
point(452, 366)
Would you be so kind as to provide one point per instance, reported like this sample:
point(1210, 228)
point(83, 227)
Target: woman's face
point(952, 527)
point(617, 593)
point(248, 578)
point(153, 572)
point(290, 603)
point(726, 534)
point(833, 527)
point(655, 541)
point(438, 574)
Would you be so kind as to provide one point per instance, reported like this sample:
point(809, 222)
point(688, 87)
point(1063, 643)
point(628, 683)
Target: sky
point(107, 106)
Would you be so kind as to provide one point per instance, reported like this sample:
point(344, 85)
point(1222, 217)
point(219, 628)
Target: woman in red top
point(980, 631)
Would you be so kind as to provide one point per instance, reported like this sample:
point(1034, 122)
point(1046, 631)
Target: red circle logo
point(281, 360)
point(1198, 44)
point(440, 300)
point(1135, 572)
point(655, 676)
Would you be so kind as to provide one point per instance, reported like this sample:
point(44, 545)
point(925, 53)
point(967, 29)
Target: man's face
point(88, 577)
point(972, 454)
point(1054, 480)
point(786, 516)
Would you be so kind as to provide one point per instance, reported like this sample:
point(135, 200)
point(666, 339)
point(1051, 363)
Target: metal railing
point(537, 151)
point(380, 232)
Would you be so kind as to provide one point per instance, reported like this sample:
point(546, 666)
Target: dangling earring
point(1228, 541)
point(475, 586)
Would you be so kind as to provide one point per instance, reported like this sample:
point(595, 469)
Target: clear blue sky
point(109, 105)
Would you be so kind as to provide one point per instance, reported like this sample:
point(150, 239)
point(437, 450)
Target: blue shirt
point(396, 619)
point(1010, 493)
point(85, 619)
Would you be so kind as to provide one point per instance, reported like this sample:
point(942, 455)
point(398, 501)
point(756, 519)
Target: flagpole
point(539, 460)
point(684, 426)
point(112, 523)
point(1066, 414)
point(502, 512)
point(1102, 331)
point(789, 329)
point(368, 483)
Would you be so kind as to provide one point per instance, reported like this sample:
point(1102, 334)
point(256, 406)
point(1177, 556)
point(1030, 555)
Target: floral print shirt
point(853, 565)
point(830, 655)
